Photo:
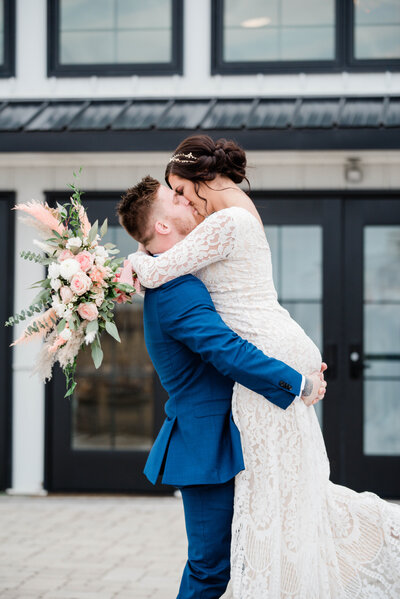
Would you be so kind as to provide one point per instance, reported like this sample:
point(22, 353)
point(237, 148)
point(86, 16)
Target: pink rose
point(80, 283)
point(98, 274)
point(88, 311)
point(85, 260)
point(66, 294)
point(65, 255)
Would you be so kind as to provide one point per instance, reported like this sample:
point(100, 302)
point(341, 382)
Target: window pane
point(277, 30)
point(305, 43)
point(308, 12)
point(382, 340)
point(149, 46)
point(381, 418)
point(115, 31)
point(377, 29)
point(136, 14)
point(296, 253)
point(86, 14)
point(251, 45)
point(87, 47)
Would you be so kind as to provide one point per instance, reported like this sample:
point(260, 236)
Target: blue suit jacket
point(198, 358)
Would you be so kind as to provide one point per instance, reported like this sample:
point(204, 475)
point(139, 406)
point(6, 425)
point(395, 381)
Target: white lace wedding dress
point(295, 534)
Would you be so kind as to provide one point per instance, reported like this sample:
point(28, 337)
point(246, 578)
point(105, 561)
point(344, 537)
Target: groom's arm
point(187, 314)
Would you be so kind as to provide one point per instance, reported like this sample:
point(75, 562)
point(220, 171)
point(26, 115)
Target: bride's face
point(186, 188)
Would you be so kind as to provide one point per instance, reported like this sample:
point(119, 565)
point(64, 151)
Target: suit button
point(282, 383)
point(290, 387)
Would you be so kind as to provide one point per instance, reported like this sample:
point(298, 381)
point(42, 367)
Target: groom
point(198, 358)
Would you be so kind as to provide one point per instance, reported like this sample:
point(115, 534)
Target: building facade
point(312, 92)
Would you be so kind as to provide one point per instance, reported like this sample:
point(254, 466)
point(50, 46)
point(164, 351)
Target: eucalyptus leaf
point(104, 227)
point(125, 287)
point(97, 353)
point(93, 326)
point(112, 330)
point(93, 231)
point(61, 325)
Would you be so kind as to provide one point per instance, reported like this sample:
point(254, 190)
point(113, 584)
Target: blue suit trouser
point(208, 517)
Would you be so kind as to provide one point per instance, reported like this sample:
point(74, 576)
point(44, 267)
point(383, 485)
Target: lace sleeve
point(211, 241)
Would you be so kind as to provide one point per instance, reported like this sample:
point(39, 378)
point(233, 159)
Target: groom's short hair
point(135, 209)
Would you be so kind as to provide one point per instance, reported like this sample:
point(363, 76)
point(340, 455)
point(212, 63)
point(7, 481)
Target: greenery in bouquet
point(84, 282)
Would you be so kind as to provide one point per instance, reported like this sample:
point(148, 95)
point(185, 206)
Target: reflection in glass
point(113, 406)
point(377, 29)
point(115, 31)
point(296, 253)
point(382, 340)
point(382, 417)
point(273, 30)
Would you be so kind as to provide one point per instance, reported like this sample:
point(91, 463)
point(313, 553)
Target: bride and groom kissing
point(241, 439)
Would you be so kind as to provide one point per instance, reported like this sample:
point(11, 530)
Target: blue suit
point(198, 358)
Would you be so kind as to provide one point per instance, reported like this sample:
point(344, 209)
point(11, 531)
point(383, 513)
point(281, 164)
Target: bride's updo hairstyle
point(200, 159)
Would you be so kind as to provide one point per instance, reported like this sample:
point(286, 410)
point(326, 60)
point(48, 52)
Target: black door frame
point(7, 250)
point(69, 470)
point(323, 209)
point(340, 411)
point(376, 473)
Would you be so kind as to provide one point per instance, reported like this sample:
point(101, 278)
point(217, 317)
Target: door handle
point(357, 364)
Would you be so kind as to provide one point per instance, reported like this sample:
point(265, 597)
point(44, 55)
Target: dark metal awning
point(160, 124)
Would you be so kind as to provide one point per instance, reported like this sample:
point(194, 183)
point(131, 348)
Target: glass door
point(304, 235)
point(372, 326)
point(100, 439)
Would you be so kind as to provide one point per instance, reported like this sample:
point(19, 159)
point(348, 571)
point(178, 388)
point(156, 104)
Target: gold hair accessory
point(191, 158)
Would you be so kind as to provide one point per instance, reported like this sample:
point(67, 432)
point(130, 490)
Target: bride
point(295, 534)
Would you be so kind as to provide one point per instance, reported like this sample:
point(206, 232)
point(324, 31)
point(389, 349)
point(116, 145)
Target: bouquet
point(84, 282)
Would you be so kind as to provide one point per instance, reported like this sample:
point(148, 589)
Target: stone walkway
point(91, 547)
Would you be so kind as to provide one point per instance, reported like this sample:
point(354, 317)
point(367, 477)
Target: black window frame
point(7, 243)
point(344, 59)
point(56, 69)
point(7, 68)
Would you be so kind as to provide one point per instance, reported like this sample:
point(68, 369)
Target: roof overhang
point(350, 123)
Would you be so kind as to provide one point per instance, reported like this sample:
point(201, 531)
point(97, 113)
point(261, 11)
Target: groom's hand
point(315, 387)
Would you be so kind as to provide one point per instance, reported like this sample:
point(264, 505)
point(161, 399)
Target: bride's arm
point(212, 240)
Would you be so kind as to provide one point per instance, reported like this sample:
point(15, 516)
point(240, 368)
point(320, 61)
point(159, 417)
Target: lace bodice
point(229, 252)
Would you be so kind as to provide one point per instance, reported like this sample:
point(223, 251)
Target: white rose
point(60, 309)
point(54, 270)
point(56, 284)
point(100, 260)
point(101, 251)
point(74, 242)
point(55, 301)
point(67, 313)
point(89, 337)
point(66, 334)
point(69, 268)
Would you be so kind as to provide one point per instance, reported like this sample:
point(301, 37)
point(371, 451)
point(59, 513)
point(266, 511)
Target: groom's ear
point(162, 227)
